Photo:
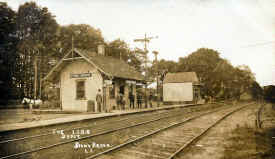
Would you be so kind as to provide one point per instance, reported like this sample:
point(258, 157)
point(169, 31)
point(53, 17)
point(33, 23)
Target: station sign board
point(81, 75)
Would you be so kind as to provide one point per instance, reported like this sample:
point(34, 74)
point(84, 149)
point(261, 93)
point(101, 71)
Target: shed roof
point(181, 77)
point(108, 65)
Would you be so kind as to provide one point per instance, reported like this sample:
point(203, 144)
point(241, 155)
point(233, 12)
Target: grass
point(249, 143)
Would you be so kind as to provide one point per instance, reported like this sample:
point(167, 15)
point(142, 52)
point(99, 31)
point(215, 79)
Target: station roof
point(181, 77)
point(109, 66)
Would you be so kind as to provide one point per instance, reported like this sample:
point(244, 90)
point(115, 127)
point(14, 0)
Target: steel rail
point(258, 118)
point(155, 132)
point(205, 131)
point(89, 136)
point(49, 132)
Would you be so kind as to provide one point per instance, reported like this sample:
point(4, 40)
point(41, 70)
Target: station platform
point(81, 117)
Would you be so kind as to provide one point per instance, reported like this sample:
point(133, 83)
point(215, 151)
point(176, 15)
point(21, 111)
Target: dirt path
point(213, 144)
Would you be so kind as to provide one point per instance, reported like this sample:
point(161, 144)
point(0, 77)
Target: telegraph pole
point(35, 81)
point(35, 77)
point(146, 41)
point(156, 63)
point(72, 46)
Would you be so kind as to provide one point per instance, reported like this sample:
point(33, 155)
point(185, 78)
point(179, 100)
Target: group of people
point(120, 101)
point(132, 101)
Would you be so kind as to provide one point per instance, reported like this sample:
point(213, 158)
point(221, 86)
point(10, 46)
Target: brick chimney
point(101, 49)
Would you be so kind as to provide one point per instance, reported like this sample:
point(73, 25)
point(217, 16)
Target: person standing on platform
point(118, 102)
point(99, 100)
point(122, 101)
point(139, 100)
point(150, 100)
point(132, 101)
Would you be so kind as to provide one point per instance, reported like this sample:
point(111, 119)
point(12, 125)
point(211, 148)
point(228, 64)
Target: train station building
point(80, 74)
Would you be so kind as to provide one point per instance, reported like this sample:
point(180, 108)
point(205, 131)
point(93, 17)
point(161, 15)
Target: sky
point(242, 31)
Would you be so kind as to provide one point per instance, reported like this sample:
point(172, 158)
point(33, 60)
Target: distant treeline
point(269, 93)
point(219, 78)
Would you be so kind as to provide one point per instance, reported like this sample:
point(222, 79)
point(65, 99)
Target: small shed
point(181, 87)
point(80, 74)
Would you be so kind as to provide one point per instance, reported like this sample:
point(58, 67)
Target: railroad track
point(258, 116)
point(49, 132)
point(167, 142)
point(39, 142)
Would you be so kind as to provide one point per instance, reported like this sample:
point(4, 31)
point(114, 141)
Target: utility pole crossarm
point(146, 41)
point(141, 40)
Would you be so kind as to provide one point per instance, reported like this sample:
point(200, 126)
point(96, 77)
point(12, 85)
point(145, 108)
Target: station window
point(80, 89)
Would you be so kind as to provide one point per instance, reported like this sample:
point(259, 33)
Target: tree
point(204, 62)
point(36, 28)
point(83, 37)
point(163, 66)
point(8, 55)
point(119, 49)
point(256, 90)
point(243, 80)
point(269, 93)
